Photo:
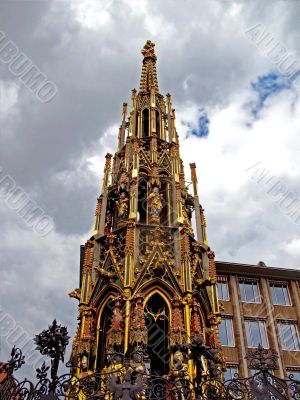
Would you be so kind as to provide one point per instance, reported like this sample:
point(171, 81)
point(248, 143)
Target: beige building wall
point(265, 310)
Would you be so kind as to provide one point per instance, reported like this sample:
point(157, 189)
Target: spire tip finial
point(148, 50)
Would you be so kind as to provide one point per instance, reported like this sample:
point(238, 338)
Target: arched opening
point(104, 325)
point(142, 201)
point(157, 115)
point(157, 322)
point(145, 116)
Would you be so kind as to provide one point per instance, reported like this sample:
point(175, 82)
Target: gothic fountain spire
point(144, 262)
point(149, 75)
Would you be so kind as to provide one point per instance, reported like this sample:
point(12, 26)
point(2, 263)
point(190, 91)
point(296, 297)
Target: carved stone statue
point(123, 182)
point(198, 349)
point(187, 202)
point(180, 368)
point(155, 204)
point(115, 335)
point(108, 223)
point(139, 372)
point(114, 368)
point(179, 376)
point(85, 366)
point(122, 206)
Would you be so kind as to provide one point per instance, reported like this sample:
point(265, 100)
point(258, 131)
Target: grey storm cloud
point(204, 59)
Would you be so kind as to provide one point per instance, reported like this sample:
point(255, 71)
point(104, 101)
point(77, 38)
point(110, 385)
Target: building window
point(258, 376)
point(289, 336)
point(223, 292)
point(226, 332)
point(256, 334)
point(254, 372)
point(249, 291)
point(295, 373)
point(231, 371)
point(280, 294)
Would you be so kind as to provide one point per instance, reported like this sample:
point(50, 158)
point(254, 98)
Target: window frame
point(292, 370)
point(246, 281)
point(294, 324)
point(260, 322)
point(223, 280)
point(228, 318)
point(273, 285)
point(231, 366)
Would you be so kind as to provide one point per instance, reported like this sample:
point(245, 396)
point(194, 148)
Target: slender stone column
point(169, 106)
point(200, 236)
point(123, 126)
point(238, 318)
point(132, 119)
point(100, 216)
point(126, 330)
point(187, 318)
point(296, 298)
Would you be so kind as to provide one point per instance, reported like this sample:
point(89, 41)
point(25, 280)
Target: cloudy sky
point(238, 117)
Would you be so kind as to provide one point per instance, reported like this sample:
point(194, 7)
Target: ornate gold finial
point(148, 80)
point(148, 50)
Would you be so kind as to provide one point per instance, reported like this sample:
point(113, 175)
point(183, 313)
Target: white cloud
point(234, 203)
point(8, 99)
point(92, 14)
point(292, 248)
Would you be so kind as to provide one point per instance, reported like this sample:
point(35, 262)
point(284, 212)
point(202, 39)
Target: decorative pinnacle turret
point(148, 50)
point(149, 75)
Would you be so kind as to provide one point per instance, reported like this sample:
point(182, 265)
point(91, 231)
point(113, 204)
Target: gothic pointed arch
point(103, 324)
point(158, 316)
point(156, 285)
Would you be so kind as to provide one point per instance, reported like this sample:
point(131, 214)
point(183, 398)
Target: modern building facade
point(260, 305)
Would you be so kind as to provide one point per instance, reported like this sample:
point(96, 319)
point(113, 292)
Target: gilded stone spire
point(149, 74)
point(147, 284)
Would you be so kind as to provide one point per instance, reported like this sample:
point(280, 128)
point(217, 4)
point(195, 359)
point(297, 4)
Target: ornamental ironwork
point(127, 378)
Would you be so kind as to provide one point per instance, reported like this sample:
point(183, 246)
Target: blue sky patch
point(203, 124)
point(266, 86)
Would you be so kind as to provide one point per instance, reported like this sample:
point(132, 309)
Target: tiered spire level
point(144, 263)
point(149, 74)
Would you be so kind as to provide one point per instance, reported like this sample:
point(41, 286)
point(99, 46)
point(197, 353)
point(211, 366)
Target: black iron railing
point(125, 377)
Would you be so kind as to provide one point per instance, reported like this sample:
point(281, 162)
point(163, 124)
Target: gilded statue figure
point(155, 204)
point(108, 223)
point(123, 179)
point(179, 376)
point(140, 373)
point(122, 206)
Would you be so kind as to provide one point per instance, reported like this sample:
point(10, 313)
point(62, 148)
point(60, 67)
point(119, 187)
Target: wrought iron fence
point(122, 380)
